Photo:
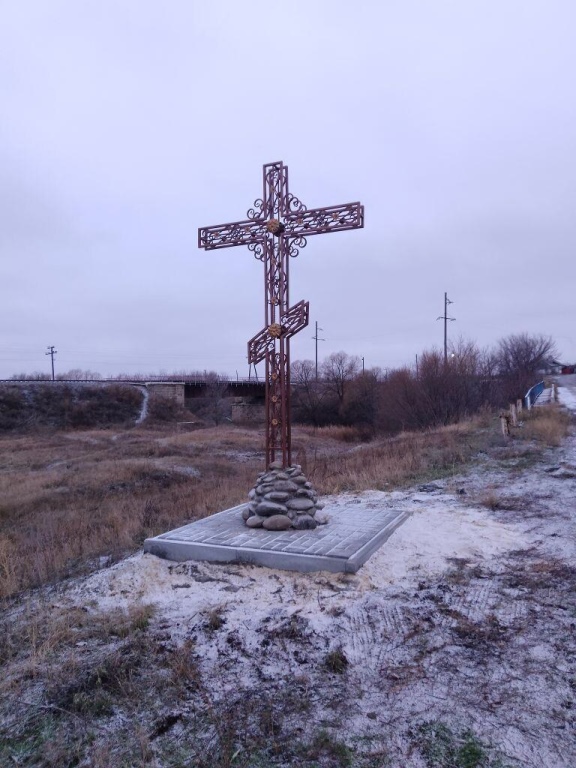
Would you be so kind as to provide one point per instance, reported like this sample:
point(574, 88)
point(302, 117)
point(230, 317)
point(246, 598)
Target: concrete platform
point(346, 543)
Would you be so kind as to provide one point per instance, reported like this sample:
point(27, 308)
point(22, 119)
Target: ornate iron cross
point(276, 228)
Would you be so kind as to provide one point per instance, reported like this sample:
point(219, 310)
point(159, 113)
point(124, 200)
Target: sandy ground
point(467, 615)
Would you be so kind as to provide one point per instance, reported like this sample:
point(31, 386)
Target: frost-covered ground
point(459, 633)
point(465, 617)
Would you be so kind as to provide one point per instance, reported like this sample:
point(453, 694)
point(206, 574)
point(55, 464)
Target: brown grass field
point(71, 500)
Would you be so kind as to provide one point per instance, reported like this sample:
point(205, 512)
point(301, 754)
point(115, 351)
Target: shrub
point(62, 406)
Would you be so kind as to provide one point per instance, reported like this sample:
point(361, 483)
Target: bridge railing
point(533, 394)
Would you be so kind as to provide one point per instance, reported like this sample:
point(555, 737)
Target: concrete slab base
point(346, 543)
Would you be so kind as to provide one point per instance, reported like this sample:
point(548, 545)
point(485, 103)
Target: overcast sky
point(127, 124)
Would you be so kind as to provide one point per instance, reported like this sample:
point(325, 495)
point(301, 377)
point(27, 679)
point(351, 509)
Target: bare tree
point(302, 372)
point(337, 370)
point(78, 374)
point(403, 404)
point(214, 405)
point(309, 395)
point(360, 407)
point(442, 393)
point(36, 376)
point(519, 357)
point(522, 353)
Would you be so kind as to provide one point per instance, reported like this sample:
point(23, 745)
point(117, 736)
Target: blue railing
point(533, 394)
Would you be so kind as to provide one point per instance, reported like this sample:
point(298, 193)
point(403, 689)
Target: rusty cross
point(276, 228)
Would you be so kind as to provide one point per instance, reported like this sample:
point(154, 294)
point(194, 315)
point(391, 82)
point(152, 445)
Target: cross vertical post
point(277, 227)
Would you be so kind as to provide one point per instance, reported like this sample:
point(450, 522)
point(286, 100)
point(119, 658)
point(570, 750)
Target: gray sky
point(127, 124)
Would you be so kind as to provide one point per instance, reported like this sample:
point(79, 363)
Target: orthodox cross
point(276, 228)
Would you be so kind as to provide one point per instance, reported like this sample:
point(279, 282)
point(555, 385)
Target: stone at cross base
point(283, 498)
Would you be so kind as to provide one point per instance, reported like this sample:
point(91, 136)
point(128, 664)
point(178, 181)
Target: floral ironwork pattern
point(259, 346)
point(296, 319)
point(321, 220)
point(229, 235)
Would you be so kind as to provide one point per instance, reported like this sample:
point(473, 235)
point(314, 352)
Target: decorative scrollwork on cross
point(322, 220)
point(293, 205)
point(276, 229)
point(258, 250)
point(296, 244)
point(257, 212)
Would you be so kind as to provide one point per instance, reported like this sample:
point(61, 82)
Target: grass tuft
point(441, 747)
point(548, 424)
point(214, 620)
point(336, 661)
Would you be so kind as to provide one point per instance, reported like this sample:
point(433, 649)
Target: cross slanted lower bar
point(275, 230)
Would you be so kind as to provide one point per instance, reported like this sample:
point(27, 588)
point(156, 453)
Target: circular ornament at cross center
point(275, 227)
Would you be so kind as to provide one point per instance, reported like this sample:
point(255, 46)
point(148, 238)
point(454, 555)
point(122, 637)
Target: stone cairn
point(283, 498)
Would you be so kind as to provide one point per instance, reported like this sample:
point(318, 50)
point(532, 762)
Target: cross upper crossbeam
point(318, 221)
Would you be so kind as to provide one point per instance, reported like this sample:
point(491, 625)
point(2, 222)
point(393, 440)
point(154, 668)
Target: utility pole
point(416, 365)
point(362, 365)
point(446, 318)
point(52, 352)
point(315, 337)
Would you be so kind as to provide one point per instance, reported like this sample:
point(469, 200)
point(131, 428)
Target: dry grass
point(409, 457)
point(492, 500)
point(339, 433)
point(69, 498)
point(496, 500)
point(102, 689)
point(548, 424)
point(75, 665)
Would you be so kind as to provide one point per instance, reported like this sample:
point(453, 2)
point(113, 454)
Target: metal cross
point(276, 228)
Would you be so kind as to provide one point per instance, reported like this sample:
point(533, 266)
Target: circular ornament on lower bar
point(275, 330)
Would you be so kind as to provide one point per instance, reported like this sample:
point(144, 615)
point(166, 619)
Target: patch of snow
point(144, 407)
point(567, 396)
point(184, 470)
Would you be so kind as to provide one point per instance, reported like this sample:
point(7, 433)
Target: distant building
point(556, 368)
